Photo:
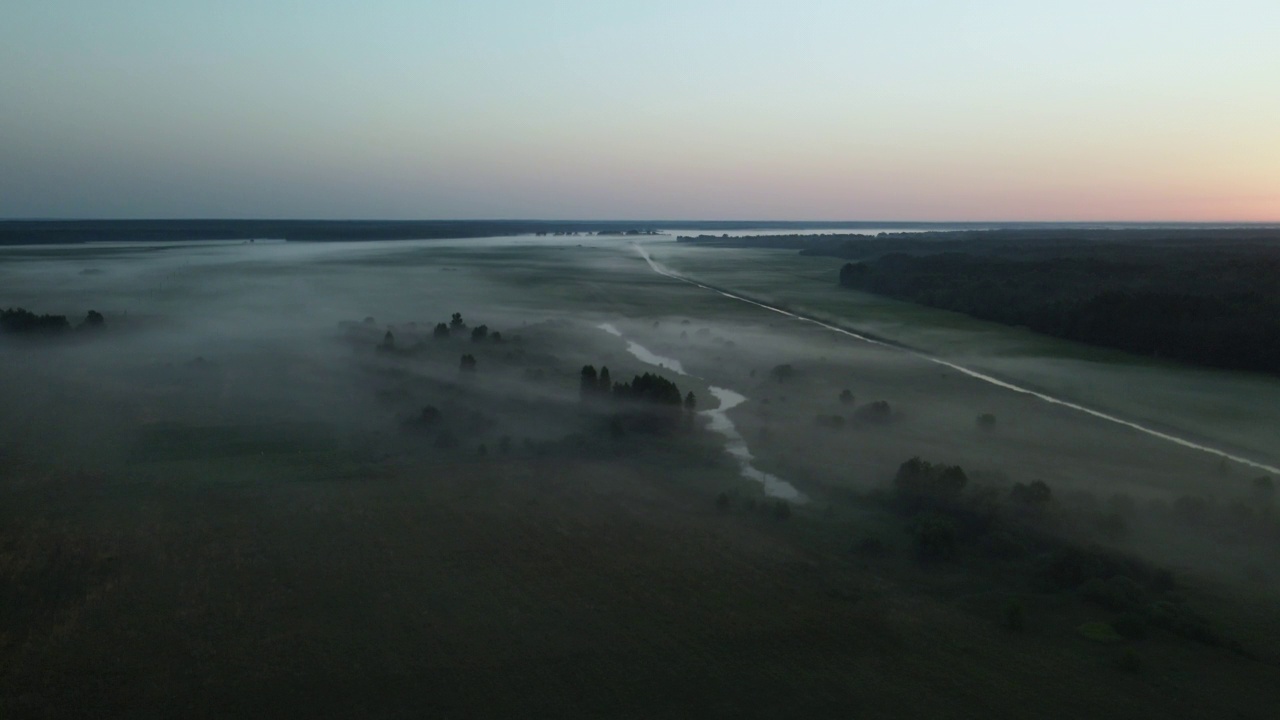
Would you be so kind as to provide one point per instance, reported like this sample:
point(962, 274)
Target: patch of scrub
point(737, 446)
point(643, 354)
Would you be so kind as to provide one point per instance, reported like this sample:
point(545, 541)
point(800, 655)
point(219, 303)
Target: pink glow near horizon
point(991, 110)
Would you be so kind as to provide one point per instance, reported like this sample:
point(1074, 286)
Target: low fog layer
point(546, 431)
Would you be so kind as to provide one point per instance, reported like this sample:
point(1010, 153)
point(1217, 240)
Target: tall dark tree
point(441, 331)
point(456, 323)
point(479, 333)
point(690, 402)
point(604, 384)
point(588, 382)
point(468, 363)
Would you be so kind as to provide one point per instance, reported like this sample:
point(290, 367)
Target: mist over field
point(276, 455)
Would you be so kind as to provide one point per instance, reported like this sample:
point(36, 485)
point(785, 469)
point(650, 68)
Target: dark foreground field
point(529, 589)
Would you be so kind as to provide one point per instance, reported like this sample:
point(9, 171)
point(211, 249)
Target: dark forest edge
point(23, 322)
point(1200, 296)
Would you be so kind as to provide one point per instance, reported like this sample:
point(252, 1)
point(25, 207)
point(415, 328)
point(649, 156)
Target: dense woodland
point(1220, 309)
point(20, 321)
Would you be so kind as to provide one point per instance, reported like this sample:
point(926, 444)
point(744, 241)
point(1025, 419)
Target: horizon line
point(665, 221)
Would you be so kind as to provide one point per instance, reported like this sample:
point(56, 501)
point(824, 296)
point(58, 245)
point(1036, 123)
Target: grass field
point(1234, 410)
point(228, 504)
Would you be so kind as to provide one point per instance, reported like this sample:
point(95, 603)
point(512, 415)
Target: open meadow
point(374, 478)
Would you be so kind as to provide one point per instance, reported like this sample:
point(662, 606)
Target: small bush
point(782, 373)
point(835, 422)
point(874, 412)
point(94, 319)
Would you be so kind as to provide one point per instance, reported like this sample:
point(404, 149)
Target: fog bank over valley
point(548, 439)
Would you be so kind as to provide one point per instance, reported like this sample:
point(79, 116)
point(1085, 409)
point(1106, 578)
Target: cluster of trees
point(945, 515)
point(593, 384)
point(649, 388)
point(1201, 305)
point(658, 398)
point(441, 331)
point(922, 485)
point(21, 321)
point(632, 231)
point(457, 326)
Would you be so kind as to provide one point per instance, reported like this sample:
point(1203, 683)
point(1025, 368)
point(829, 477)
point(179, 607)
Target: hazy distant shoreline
point(41, 232)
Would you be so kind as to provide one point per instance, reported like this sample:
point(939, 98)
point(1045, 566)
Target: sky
point(652, 109)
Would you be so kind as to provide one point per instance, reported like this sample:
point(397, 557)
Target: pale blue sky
point(787, 110)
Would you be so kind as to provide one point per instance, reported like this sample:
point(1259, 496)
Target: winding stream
point(736, 446)
point(719, 422)
point(642, 353)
